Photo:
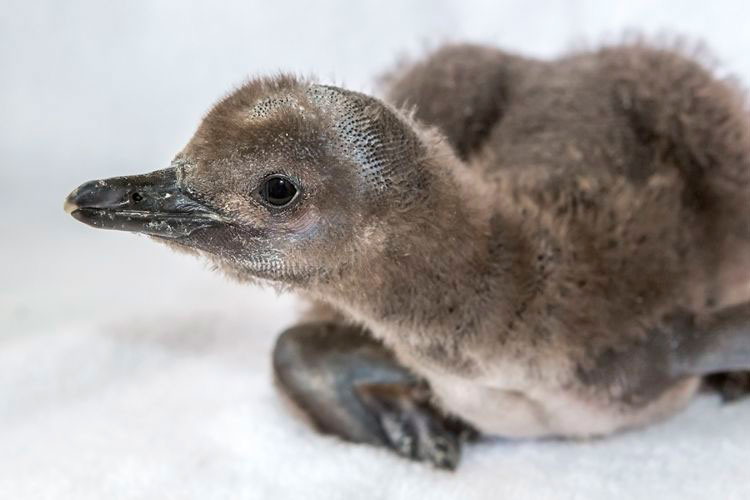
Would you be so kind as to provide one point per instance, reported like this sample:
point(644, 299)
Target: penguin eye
point(278, 191)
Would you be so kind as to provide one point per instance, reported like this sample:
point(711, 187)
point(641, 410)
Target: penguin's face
point(283, 180)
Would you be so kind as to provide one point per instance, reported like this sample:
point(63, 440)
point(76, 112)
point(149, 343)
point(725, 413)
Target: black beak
point(151, 203)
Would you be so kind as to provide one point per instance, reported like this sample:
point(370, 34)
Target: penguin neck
point(441, 263)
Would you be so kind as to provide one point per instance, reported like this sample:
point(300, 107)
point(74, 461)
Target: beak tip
point(70, 204)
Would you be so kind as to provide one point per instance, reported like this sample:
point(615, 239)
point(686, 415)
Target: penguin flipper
point(731, 386)
point(716, 343)
point(351, 386)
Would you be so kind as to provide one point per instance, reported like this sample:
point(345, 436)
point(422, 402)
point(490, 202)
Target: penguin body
point(556, 248)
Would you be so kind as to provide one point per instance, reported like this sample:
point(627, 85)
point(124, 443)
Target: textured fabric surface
point(129, 372)
point(180, 404)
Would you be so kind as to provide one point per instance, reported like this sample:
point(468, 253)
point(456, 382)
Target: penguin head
point(285, 180)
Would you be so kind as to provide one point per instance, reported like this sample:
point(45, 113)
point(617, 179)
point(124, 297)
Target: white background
point(127, 371)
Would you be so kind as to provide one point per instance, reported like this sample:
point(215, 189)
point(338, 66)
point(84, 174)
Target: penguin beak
point(152, 204)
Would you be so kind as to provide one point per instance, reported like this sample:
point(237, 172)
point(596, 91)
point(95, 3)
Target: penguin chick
point(531, 248)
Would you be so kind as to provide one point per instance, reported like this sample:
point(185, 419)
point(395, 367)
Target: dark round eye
point(278, 191)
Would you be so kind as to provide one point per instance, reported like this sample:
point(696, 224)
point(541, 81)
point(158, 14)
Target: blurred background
point(127, 371)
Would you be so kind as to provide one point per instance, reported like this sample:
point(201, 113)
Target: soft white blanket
point(176, 401)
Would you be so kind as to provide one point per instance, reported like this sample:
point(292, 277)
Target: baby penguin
point(517, 247)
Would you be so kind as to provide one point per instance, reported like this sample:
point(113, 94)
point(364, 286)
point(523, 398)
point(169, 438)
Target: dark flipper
point(731, 386)
point(717, 343)
point(351, 386)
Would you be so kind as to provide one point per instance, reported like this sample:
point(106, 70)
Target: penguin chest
point(547, 411)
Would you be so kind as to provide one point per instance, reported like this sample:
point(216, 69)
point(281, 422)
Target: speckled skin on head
point(556, 248)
